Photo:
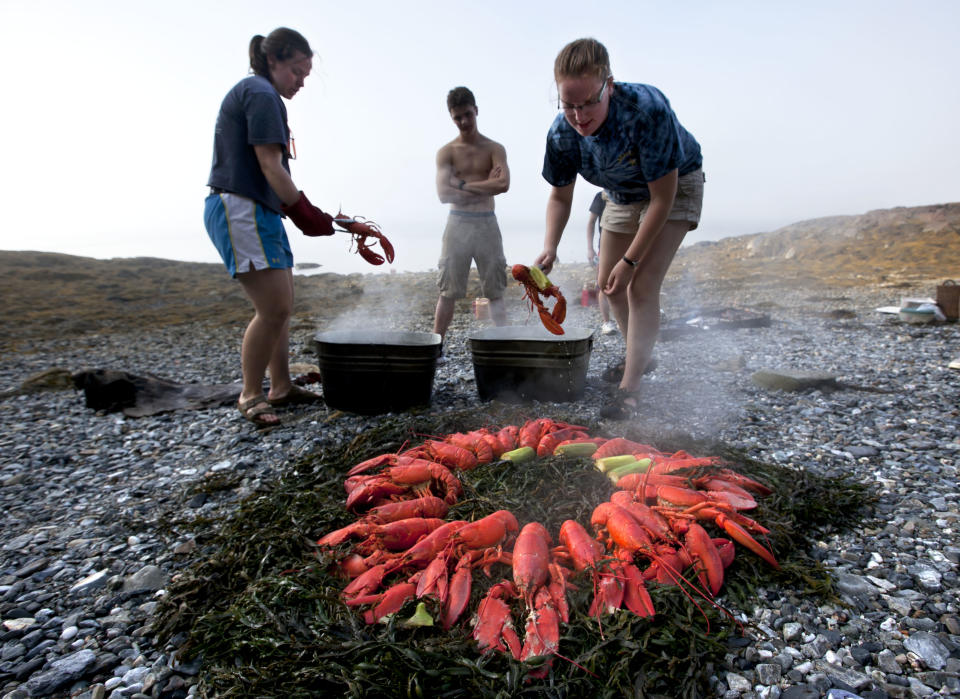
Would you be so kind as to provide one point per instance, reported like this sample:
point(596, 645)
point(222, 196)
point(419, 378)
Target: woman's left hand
point(619, 279)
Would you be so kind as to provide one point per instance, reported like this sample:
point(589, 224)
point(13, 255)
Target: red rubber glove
point(308, 218)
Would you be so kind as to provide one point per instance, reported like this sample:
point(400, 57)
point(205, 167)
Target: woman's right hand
point(308, 218)
point(545, 260)
point(620, 277)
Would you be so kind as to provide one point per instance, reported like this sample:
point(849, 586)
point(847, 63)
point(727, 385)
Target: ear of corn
point(578, 449)
point(539, 278)
point(520, 455)
point(610, 462)
point(621, 471)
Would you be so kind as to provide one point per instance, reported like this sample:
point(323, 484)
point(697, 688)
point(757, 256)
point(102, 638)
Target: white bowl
point(917, 317)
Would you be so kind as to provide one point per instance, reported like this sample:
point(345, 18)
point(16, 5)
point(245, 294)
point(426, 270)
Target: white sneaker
point(609, 327)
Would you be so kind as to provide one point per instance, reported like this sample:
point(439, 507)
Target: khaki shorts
point(469, 236)
point(625, 218)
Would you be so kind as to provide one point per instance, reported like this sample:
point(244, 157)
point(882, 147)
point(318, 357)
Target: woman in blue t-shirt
point(250, 190)
point(625, 138)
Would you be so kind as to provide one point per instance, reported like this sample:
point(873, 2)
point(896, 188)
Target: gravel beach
point(92, 505)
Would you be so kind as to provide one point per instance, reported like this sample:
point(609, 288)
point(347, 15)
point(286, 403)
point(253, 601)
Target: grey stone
point(847, 676)
point(792, 379)
point(887, 661)
point(66, 669)
point(857, 586)
point(91, 582)
point(768, 673)
point(12, 651)
point(738, 683)
point(791, 631)
point(919, 688)
point(147, 578)
point(929, 648)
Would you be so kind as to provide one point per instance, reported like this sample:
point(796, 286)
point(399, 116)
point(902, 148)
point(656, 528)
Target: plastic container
point(481, 308)
point(371, 372)
point(523, 363)
point(588, 295)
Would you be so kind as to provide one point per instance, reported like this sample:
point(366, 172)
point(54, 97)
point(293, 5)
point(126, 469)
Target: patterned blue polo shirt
point(641, 140)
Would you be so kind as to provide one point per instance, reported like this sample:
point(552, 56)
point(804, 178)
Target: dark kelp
point(265, 614)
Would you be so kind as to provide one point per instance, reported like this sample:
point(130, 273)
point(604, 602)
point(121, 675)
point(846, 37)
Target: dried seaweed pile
point(265, 612)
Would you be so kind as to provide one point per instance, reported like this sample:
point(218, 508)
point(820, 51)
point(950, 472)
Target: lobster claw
point(369, 255)
point(494, 628)
point(387, 247)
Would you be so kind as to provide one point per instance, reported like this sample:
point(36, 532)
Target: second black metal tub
point(521, 363)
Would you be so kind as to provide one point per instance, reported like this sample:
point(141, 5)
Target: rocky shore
point(93, 506)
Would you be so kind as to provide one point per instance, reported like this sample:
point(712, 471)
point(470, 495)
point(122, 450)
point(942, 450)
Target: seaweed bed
point(264, 612)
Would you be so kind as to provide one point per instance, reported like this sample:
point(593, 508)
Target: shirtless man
point(471, 170)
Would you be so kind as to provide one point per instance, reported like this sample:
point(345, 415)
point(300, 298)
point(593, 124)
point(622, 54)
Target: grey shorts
point(469, 236)
point(687, 205)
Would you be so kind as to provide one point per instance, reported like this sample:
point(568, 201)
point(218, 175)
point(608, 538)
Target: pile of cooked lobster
point(402, 547)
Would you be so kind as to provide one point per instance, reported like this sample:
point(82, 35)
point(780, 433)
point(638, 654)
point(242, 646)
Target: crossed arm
point(454, 190)
point(498, 180)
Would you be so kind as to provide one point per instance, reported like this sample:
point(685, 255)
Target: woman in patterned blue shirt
point(625, 138)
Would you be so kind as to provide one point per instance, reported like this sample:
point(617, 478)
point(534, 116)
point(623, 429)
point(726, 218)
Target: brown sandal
point(614, 372)
point(295, 396)
point(256, 415)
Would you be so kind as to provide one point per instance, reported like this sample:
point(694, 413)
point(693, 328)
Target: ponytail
point(258, 59)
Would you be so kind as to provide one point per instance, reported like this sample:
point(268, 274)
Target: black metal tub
point(524, 363)
point(371, 372)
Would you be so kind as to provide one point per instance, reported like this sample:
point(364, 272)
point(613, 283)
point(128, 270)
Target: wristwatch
point(463, 183)
point(629, 261)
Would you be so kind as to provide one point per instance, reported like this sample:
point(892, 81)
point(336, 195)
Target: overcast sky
point(802, 110)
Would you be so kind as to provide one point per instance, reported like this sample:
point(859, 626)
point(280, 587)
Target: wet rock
point(147, 578)
point(62, 671)
point(793, 380)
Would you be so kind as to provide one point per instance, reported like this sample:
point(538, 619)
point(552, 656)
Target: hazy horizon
point(802, 112)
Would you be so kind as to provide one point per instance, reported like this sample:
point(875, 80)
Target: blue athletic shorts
point(247, 236)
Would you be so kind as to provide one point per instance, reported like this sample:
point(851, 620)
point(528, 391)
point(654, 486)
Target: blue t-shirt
point(641, 140)
point(251, 114)
point(598, 204)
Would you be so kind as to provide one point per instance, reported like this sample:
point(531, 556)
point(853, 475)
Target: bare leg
point(280, 383)
point(612, 248)
point(498, 311)
point(265, 341)
point(604, 306)
point(443, 315)
point(643, 297)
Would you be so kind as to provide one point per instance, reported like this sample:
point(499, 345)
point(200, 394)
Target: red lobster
point(361, 229)
point(535, 284)
point(541, 583)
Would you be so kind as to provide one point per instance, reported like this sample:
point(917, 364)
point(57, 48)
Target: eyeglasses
point(571, 108)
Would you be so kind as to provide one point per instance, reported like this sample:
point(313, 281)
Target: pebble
point(84, 553)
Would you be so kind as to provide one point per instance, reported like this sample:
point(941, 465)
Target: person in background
point(471, 170)
point(250, 191)
point(625, 138)
point(596, 210)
